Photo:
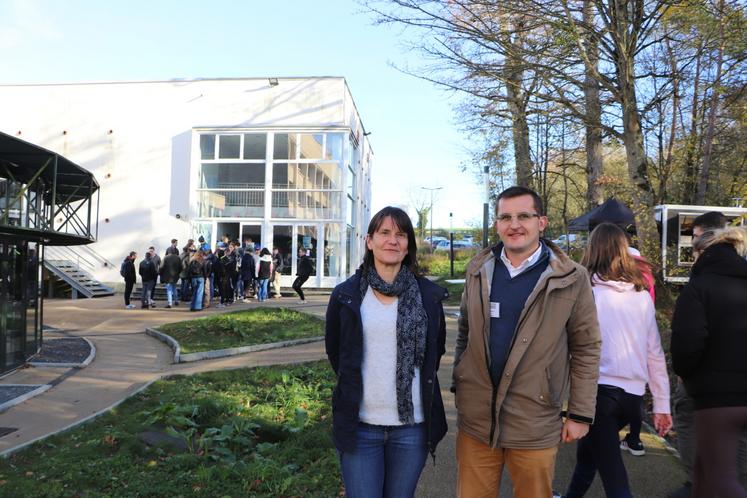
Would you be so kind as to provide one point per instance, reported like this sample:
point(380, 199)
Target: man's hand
point(573, 430)
point(662, 423)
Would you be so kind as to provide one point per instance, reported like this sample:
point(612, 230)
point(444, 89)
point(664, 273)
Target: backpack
point(122, 269)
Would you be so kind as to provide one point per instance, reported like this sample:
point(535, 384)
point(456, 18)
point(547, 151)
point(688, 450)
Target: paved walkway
point(127, 360)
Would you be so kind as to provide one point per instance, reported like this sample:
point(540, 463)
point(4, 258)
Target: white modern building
point(283, 161)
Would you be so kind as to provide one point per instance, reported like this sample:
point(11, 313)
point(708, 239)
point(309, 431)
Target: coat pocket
point(548, 396)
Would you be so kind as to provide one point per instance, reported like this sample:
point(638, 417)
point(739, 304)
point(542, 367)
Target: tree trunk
point(516, 99)
point(700, 197)
point(691, 165)
point(594, 151)
point(642, 193)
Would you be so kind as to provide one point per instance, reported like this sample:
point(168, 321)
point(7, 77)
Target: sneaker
point(634, 447)
point(302, 301)
point(683, 492)
point(168, 306)
point(555, 494)
point(130, 306)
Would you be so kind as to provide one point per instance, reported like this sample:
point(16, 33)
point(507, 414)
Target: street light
point(431, 190)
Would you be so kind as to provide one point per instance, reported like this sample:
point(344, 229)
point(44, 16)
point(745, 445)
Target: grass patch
point(243, 328)
point(248, 432)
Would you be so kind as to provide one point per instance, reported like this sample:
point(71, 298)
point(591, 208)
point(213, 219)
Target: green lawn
point(243, 328)
point(248, 432)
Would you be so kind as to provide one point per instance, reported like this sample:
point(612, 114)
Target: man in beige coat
point(528, 342)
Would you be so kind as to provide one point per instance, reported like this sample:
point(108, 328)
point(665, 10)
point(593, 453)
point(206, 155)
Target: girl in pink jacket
point(631, 358)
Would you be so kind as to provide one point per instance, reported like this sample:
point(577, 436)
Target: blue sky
point(414, 135)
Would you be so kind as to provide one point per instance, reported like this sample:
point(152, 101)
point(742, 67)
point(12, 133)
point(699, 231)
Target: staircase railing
point(83, 256)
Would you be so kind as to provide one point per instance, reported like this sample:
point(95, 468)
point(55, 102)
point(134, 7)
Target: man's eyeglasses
point(521, 218)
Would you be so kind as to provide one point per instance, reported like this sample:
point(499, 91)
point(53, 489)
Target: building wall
point(139, 141)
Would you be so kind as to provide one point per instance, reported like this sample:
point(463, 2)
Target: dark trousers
point(226, 295)
point(186, 293)
point(635, 424)
point(297, 283)
point(717, 433)
point(218, 286)
point(600, 449)
point(129, 284)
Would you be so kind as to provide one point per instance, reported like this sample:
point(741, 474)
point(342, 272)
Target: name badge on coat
point(495, 310)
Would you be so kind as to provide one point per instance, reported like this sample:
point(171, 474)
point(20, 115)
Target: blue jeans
point(239, 288)
point(171, 293)
point(198, 289)
point(386, 462)
point(263, 288)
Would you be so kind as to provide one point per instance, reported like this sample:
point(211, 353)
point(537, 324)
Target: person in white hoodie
point(631, 357)
point(264, 270)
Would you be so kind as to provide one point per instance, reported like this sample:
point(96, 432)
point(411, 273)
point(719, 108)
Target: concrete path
point(127, 360)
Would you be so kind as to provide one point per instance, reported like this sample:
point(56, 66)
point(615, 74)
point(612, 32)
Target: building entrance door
point(227, 229)
point(252, 231)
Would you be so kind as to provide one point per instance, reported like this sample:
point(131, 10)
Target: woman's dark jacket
point(247, 266)
point(196, 269)
point(305, 267)
point(128, 270)
point(344, 343)
point(709, 330)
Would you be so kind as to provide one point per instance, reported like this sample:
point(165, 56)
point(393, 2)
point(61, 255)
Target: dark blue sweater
point(511, 294)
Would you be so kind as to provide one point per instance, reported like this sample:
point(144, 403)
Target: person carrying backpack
point(148, 275)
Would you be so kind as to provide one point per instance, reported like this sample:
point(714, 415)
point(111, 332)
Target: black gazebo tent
point(612, 211)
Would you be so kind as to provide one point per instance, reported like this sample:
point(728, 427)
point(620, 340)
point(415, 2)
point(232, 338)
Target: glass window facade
point(20, 301)
point(301, 184)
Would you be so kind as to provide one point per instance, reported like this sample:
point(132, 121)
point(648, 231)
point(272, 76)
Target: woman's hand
point(662, 423)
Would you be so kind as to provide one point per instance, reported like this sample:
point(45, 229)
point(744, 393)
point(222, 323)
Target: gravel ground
point(7, 393)
point(67, 350)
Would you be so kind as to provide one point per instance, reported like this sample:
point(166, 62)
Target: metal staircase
point(73, 266)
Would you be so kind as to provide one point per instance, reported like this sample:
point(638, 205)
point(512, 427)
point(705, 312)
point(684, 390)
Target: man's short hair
point(517, 191)
point(152, 248)
point(148, 255)
point(712, 220)
point(174, 241)
point(133, 253)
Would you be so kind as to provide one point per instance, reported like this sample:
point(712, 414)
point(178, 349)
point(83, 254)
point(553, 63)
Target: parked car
point(575, 240)
point(437, 239)
point(458, 245)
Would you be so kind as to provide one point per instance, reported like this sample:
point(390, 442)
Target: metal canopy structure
point(44, 196)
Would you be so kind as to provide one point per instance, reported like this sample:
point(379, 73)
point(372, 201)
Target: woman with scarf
point(385, 336)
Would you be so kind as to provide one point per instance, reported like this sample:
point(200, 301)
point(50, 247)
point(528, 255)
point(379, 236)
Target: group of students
point(548, 351)
point(232, 272)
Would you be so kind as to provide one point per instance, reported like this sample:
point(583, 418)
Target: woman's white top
point(379, 366)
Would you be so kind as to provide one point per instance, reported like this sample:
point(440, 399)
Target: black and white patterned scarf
point(412, 327)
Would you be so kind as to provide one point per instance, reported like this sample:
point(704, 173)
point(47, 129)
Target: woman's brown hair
point(402, 221)
point(607, 256)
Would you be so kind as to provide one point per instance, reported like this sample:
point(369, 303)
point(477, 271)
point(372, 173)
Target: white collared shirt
point(513, 271)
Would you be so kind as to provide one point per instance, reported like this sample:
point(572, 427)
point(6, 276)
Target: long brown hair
point(607, 256)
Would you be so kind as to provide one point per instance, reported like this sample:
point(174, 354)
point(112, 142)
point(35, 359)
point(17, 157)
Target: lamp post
point(486, 207)
point(431, 190)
